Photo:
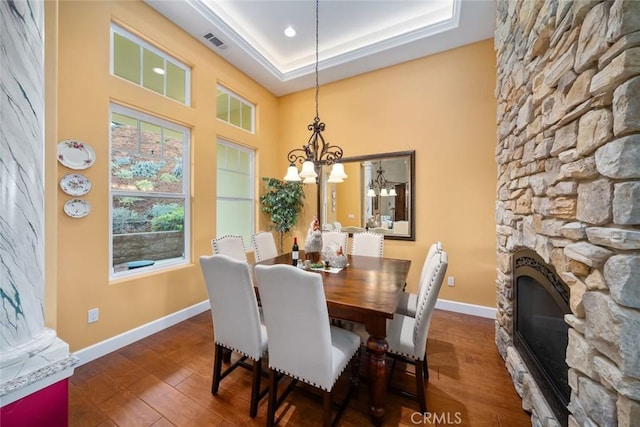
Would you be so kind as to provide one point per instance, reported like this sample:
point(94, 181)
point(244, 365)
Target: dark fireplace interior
point(540, 334)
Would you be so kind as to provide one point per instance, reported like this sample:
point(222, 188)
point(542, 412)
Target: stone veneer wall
point(568, 155)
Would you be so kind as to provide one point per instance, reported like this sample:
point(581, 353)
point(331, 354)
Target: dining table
point(366, 291)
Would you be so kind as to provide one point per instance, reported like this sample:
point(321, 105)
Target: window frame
point(185, 195)
point(115, 28)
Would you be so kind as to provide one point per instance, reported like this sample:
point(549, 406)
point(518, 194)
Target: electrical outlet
point(92, 315)
point(451, 281)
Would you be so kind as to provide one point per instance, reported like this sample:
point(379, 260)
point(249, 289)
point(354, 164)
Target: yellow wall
point(442, 106)
point(85, 89)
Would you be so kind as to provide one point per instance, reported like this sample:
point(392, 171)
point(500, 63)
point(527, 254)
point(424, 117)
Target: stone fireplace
point(568, 157)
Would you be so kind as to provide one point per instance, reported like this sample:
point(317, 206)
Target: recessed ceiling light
point(158, 70)
point(289, 31)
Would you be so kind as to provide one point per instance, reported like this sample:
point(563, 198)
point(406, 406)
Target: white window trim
point(162, 264)
point(115, 28)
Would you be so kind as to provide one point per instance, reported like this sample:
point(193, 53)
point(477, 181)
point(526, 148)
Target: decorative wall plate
point(77, 208)
point(75, 184)
point(75, 154)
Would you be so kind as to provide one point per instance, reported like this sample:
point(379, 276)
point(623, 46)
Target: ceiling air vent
point(215, 41)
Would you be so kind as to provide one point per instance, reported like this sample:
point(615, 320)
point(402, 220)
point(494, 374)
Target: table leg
point(377, 349)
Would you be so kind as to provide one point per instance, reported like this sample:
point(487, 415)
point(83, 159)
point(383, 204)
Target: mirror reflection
point(377, 195)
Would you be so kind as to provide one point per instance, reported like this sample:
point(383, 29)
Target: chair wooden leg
point(355, 372)
point(420, 394)
point(326, 408)
point(255, 387)
point(217, 368)
point(226, 355)
point(273, 390)
point(426, 368)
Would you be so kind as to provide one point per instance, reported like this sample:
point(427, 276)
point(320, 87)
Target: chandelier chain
point(316, 152)
point(317, 83)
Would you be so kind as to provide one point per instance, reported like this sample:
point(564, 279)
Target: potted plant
point(283, 201)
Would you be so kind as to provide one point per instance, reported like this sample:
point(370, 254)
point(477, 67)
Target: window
point(235, 110)
point(137, 61)
point(235, 189)
point(149, 191)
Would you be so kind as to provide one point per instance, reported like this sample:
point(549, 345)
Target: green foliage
point(168, 177)
point(283, 201)
point(159, 209)
point(121, 161)
point(177, 169)
point(124, 174)
point(126, 221)
point(144, 185)
point(147, 168)
point(171, 221)
point(128, 201)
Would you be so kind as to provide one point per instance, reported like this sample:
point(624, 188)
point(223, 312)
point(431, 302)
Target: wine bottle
point(295, 252)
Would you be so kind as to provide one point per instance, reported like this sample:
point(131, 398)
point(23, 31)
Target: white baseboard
point(100, 349)
point(464, 308)
point(112, 344)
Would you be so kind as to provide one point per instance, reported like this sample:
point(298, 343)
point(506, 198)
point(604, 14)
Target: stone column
point(31, 355)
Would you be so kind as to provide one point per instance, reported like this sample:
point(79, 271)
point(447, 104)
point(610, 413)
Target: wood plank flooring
point(165, 380)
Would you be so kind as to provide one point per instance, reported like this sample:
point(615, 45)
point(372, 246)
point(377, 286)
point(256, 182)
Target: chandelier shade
point(292, 174)
point(317, 152)
point(380, 186)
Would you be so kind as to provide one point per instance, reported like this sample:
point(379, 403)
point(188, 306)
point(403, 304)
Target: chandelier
point(380, 185)
point(317, 152)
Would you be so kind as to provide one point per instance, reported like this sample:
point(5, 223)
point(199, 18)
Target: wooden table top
point(368, 285)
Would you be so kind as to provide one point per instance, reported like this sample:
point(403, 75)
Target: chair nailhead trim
point(310, 382)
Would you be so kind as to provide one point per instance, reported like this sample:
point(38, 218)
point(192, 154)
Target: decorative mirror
point(377, 195)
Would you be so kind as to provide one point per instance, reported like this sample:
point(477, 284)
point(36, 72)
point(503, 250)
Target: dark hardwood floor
point(165, 380)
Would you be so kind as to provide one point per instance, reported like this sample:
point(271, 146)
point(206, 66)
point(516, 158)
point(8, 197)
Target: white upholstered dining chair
point(230, 245)
point(408, 302)
point(302, 344)
point(236, 320)
point(407, 336)
point(334, 240)
point(367, 243)
point(264, 246)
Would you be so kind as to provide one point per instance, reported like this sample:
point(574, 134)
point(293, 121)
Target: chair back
point(433, 282)
point(264, 246)
point(367, 243)
point(297, 320)
point(334, 239)
point(401, 227)
point(435, 248)
point(234, 307)
point(232, 246)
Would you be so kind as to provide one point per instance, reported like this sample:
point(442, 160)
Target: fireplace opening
point(540, 334)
